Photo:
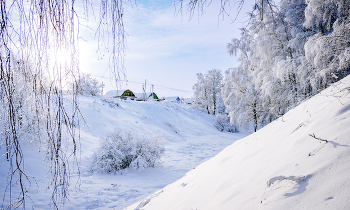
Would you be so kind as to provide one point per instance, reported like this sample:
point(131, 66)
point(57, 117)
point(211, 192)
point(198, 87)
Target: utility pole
point(145, 89)
point(102, 88)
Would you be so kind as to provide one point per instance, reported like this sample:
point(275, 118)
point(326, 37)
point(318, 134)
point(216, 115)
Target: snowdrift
point(299, 161)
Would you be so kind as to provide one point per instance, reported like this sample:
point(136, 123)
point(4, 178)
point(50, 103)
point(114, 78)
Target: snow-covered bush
point(222, 123)
point(120, 150)
point(222, 119)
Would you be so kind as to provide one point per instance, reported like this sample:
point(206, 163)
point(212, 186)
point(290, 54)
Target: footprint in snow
point(329, 198)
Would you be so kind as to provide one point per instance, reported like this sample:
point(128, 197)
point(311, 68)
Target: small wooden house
point(153, 96)
point(127, 95)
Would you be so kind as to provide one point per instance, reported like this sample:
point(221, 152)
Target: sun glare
point(62, 57)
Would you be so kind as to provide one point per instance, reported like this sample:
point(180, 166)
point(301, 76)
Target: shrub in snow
point(110, 103)
point(222, 123)
point(120, 150)
point(222, 119)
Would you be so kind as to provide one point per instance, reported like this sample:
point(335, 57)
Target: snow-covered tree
point(201, 94)
point(214, 82)
point(328, 50)
point(287, 53)
point(206, 91)
point(207, 97)
point(242, 100)
point(88, 86)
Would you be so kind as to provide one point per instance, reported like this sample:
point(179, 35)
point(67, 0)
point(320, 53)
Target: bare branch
point(313, 136)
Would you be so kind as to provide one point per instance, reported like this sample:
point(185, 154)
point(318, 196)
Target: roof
point(128, 93)
point(153, 95)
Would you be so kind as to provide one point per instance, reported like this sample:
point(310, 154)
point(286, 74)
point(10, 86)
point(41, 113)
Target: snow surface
point(189, 136)
point(282, 166)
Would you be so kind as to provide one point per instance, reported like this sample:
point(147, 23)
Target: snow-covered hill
point(285, 165)
point(189, 138)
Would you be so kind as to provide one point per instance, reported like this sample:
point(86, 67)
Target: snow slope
point(279, 167)
point(189, 138)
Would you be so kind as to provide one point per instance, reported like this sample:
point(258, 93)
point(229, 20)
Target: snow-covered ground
point(189, 138)
point(285, 165)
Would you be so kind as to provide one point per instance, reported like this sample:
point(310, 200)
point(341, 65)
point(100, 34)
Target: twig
point(313, 136)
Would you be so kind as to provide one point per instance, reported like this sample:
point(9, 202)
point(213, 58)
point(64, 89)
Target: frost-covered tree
point(241, 91)
point(201, 94)
point(207, 97)
point(287, 53)
point(242, 100)
point(207, 90)
point(214, 82)
point(87, 86)
point(328, 50)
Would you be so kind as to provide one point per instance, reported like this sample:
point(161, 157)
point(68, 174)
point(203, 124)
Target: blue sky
point(166, 49)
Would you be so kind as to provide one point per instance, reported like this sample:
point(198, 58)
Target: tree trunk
point(255, 117)
point(214, 101)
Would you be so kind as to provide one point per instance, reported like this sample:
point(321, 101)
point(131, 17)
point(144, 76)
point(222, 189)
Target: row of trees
point(287, 53)
point(85, 85)
point(207, 98)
